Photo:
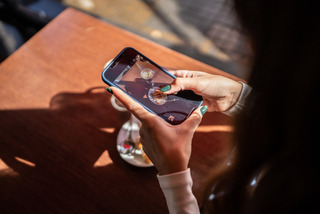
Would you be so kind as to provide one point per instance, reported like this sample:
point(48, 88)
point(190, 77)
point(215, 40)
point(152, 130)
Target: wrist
point(173, 164)
point(172, 170)
point(239, 105)
point(234, 94)
point(173, 175)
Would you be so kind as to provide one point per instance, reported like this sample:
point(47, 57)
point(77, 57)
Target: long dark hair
point(277, 137)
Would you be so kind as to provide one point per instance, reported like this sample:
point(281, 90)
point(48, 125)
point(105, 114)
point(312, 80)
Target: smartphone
point(141, 78)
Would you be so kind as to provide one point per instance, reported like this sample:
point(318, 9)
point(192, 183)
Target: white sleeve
point(240, 104)
point(177, 189)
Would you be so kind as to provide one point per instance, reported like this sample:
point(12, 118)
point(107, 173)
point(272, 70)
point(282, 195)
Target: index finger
point(187, 73)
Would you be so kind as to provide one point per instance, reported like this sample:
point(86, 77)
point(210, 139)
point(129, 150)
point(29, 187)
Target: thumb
point(195, 118)
point(180, 84)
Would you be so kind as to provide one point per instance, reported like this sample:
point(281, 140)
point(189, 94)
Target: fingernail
point(203, 109)
point(165, 88)
point(109, 90)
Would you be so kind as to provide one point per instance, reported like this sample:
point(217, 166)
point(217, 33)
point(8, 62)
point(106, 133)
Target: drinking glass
point(129, 146)
point(128, 140)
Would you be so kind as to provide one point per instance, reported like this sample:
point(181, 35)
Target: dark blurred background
point(206, 30)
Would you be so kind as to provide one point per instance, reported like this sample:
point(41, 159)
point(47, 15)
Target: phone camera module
point(146, 73)
point(156, 96)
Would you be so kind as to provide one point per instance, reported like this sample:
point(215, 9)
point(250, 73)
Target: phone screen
point(142, 79)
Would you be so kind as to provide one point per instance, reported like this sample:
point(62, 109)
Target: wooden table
point(58, 130)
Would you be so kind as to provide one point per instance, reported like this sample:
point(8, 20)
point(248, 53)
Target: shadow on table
point(64, 160)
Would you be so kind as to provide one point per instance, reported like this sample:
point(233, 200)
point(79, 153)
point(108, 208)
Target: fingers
point(180, 84)
point(187, 73)
point(143, 115)
point(186, 80)
point(136, 109)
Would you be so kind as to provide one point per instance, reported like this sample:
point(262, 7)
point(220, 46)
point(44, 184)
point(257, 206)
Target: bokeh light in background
point(202, 29)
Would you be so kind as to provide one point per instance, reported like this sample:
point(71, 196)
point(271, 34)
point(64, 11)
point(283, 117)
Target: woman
point(276, 129)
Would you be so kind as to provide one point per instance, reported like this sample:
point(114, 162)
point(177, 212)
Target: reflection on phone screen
point(143, 80)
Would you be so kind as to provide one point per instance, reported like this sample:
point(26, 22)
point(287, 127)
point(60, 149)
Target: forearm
point(177, 188)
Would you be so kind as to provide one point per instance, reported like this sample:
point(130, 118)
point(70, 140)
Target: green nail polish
point(109, 90)
point(203, 109)
point(165, 88)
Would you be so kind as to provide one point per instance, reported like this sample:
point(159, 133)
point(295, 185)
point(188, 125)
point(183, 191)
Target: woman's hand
point(167, 146)
point(219, 93)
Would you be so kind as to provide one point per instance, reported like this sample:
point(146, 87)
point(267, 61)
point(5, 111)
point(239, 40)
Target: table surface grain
point(58, 130)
